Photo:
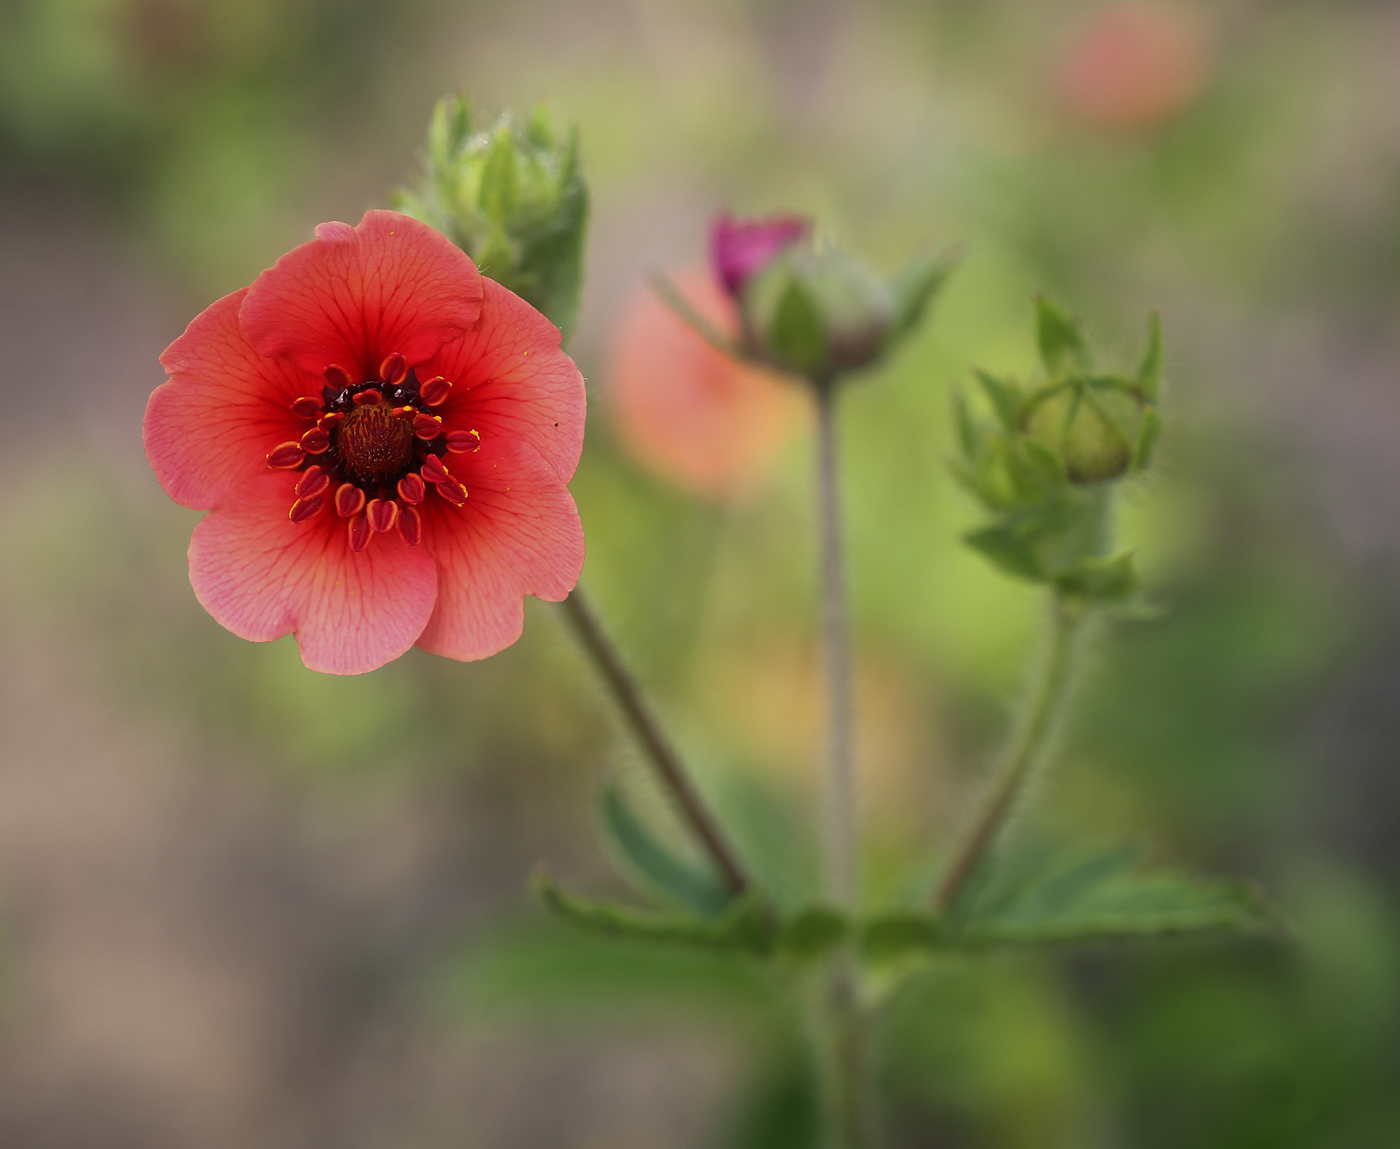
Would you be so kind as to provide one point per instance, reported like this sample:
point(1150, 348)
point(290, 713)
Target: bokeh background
point(244, 904)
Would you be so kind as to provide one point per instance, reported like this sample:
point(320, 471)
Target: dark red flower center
point(372, 451)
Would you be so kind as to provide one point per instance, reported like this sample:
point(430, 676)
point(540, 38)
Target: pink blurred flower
point(383, 438)
point(1135, 66)
point(686, 411)
point(740, 248)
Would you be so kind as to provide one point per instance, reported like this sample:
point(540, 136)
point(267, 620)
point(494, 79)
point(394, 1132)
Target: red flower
point(688, 412)
point(1135, 66)
point(384, 439)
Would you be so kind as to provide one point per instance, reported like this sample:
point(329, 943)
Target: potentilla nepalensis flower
point(383, 437)
point(686, 411)
point(740, 248)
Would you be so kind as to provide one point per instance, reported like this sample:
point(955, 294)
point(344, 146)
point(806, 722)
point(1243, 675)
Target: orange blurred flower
point(1135, 66)
point(687, 412)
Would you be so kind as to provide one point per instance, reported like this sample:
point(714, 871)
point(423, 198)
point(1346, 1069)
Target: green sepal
point(1094, 894)
point(1005, 397)
point(797, 334)
point(913, 289)
point(812, 933)
point(1111, 579)
point(896, 935)
point(969, 435)
point(651, 864)
point(1149, 375)
point(748, 926)
point(1060, 339)
point(1028, 543)
point(1149, 432)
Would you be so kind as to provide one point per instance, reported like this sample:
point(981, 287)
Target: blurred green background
point(244, 904)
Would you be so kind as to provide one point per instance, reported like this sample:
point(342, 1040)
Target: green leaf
point(1010, 549)
point(797, 332)
point(1149, 376)
point(747, 927)
point(913, 290)
point(812, 933)
point(1100, 579)
point(1005, 398)
point(969, 436)
point(652, 864)
point(895, 935)
point(1061, 342)
point(1096, 894)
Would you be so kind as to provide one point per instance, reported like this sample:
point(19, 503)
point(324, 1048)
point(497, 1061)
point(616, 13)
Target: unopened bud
point(741, 248)
point(511, 196)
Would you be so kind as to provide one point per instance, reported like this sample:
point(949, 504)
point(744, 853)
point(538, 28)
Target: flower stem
point(845, 1020)
point(840, 789)
point(662, 755)
point(1028, 747)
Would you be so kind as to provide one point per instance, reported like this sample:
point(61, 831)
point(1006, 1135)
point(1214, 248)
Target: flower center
point(373, 444)
point(373, 452)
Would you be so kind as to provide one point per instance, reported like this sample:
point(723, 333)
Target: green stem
point(663, 757)
point(1029, 746)
point(845, 1020)
point(840, 789)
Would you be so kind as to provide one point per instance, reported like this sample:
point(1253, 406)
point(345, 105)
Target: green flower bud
point(818, 312)
point(512, 197)
point(1093, 424)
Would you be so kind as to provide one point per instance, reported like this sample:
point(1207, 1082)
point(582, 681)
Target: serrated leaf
point(1097, 894)
point(812, 933)
point(1005, 398)
point(652, 864)
point(797, 332)
point(1149, 375)
point(1060, 340)
point(894, 935)
point(913, 290)
point(746, 927)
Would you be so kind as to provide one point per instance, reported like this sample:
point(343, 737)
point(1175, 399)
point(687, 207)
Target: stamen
point(411, 526)
point(403, 412)
point(349, 500)
point(434, 471)
point(427, 426)
point(382, 514)
point(313, 482)
point(360, 533)
point(304, 509)
point(316, 441)
point(412, 488)
point(393, 369)
point(336, 377)
point(434, 391)
point(366, 397)
point(307, 407)
point(330, 419)
point(460, 442)
point(453, 492)
point(286, 456)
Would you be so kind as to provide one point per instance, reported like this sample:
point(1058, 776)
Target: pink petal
point(262, 577)
point(354, 295)
point(208, 429)
point(741, 248)
point(518, 534)
point(512, 380)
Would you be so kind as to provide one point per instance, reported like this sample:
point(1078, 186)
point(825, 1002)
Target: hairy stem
point(840, 788)
point(1029, 745)
point(660, 753)
point(848, 1088)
